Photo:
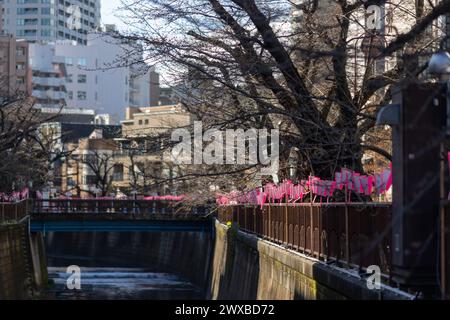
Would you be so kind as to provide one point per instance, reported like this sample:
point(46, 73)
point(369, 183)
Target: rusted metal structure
point(102, 206)
point(354, 235)
point(13, 212)
point(357, 235)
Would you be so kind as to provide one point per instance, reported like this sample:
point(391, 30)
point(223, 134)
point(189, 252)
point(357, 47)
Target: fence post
point(286, 225)
point(311, 229)
point(443, 253)
point(245, 219)
point(270, 222)
point(347, 240)
point(16, 206)
point(254, 220)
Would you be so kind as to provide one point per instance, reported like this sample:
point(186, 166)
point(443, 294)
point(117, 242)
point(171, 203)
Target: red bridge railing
point(353, 235)
point(93, 206)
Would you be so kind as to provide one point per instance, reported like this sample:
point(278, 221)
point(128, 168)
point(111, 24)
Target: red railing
point(93, 206)
point(13, 212)
point(351, 235)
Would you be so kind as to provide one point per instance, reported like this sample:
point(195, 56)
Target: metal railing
point(350, 235)
point(98, 207)
point(14, 211)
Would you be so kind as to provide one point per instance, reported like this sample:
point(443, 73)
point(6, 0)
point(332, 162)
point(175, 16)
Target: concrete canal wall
point(227, 264)
point(186, 254)
point(245, 267)
point(22, 262)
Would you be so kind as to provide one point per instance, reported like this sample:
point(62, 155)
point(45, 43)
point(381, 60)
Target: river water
point(111, 283)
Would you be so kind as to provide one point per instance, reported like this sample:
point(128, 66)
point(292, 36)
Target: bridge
point(91, 215)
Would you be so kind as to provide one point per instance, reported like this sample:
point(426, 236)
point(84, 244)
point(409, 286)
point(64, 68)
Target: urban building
point(2, 19)
point(166, 96)
point(90, 163)
point(124, 160)
point(48, 76)
point(67, 115)
point(64, 140)
point(15, 76)
point(49, 20)
point(92, 78)
point(103, 119)
point(148, 121)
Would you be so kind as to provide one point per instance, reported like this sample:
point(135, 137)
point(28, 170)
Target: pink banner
point(350, 180)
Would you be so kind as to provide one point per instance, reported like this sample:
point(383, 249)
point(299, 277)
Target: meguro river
point(120, 283)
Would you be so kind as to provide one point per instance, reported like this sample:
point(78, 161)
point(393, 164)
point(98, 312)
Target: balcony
point(51, 82)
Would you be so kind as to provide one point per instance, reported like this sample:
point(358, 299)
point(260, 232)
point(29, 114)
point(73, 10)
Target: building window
point(46, 22)
point(89, 180)
point(20, 51)
point(140, 122)
point(22, 11)
point(69, 61)
point(46, 11)
point(46, 33)
point(69, 78)
point(82, 78)
point(146, 121)
point(118, 172)
point(70, 95)
point(81, 95)
point(82, 62)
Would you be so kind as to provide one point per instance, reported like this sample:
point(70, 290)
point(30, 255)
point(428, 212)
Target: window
point(82, 62)
point(30, 32)
point(146, 121)
point(118, 172)
point(70, 95)
point(46, 11)
point(20, 66)
point(140, 122)
point(69, 78)
point(46, 22)
point(81, 95)
point(69, 61)
point(27, 11)
point(82, 78)
point(89, 180)
point(46, 33)
point(20, 51)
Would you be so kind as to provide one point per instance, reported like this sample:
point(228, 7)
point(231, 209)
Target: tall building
point(49, 20)
point(2, 21)
point(49, 77)
point(93, 81)
point(15, 77)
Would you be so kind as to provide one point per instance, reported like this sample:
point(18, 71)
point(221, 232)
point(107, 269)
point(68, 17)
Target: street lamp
point(439, 66)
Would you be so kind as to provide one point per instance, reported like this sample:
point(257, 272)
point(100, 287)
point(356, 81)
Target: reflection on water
point(121, 283)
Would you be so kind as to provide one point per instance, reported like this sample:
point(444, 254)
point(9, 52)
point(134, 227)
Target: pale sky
point(108, 9)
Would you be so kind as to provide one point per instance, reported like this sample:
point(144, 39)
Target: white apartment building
point(49, 20)
point(48, 76)
point(93, 80)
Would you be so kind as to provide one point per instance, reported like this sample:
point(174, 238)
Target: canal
point(166, 266)
point(121, 284)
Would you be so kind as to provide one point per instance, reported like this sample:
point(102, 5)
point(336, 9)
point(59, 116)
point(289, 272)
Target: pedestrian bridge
point(113, 216)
